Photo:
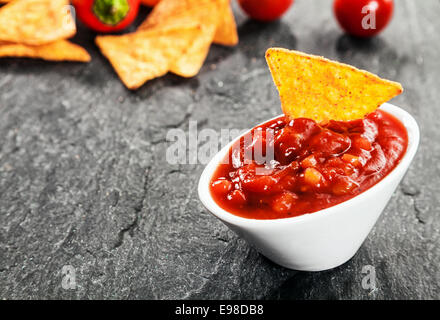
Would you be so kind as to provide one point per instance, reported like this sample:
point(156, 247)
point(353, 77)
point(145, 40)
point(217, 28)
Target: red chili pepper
point(106, 15)
point(150, 3)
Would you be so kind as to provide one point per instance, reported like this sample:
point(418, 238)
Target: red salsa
point(313, 167)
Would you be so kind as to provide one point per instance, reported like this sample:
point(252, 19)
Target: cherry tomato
point(106, 15)
point(265, 10)
point(363, 18)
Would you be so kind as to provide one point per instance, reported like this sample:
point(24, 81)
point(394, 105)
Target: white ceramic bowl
point(321, 240)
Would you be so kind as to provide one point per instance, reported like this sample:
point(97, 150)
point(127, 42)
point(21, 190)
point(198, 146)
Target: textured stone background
point(83, 180)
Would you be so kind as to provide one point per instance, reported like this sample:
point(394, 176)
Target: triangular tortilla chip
point(60, 50)
point(168, 11)
point(316, 88)
point(227, 29)
point(144, 55)
point(190, 63)
point(36, 22)
point(185, 13)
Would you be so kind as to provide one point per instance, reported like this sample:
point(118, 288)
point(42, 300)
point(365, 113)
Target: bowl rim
point(205, 196)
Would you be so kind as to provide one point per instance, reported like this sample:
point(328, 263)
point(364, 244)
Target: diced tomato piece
point(237, 198)
point(343, 186)
point(258, 184)
point(330, 143)
point(349, 170)
point(309, 162)
point(287, 145)
point(289, 140)
point(351, 159)
point(313, 177)
point(221, 186)
point(306, 127)
point(256, 178)
point(284, 202)
point(362, 143)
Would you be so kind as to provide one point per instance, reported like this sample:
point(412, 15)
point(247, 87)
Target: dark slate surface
point(83, 180)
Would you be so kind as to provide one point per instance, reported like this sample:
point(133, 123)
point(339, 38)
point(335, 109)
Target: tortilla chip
point(227, 29)
point(177, 13)
point(205, 13)
point(190, 63)
point(144, 55)
point(60, 50)
point(171, 11)
point(36, 22)
point(316, 88)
